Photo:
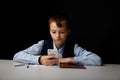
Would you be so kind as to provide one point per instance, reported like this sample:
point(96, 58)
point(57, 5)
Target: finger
point(51, 57)
point(51, 54)
point(52, 61)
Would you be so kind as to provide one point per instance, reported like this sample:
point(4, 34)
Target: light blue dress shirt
point(82, 56)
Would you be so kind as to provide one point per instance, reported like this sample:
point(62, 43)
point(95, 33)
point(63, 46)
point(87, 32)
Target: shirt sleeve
point(84, 57)
point(29, 55)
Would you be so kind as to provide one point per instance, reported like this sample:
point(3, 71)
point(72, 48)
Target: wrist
point(39, 60)
point(71, 60)
point(66, 60)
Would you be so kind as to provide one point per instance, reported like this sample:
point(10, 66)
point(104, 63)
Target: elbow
point(97, 62)
point(14, 58)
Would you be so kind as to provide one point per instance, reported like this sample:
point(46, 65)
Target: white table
point(39, 72)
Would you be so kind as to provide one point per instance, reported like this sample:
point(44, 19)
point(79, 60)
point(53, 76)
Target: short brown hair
point(59, 20)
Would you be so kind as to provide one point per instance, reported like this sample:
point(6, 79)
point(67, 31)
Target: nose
point(57, 35)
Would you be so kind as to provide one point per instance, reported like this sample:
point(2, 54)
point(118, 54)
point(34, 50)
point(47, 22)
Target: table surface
point(8, 71)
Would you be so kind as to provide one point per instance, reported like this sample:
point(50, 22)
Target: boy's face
point(59, 34)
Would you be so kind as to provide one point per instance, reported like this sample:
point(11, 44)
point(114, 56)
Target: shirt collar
point(60, 50)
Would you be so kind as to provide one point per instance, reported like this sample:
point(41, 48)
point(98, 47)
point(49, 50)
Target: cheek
point(64, 36)
point(53, 36)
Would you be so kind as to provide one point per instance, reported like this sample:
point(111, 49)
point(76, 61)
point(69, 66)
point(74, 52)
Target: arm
point(66, 60)
point(29, 55)
point(85, 57)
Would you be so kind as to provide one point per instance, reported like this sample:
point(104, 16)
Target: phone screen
point(53, 51)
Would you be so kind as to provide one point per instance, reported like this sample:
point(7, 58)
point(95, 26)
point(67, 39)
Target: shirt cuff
point(34, 59)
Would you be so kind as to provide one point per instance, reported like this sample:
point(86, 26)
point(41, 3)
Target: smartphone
point(53, 51)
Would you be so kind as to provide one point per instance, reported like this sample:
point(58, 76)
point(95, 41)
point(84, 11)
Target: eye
point(53, 32)
point(62, 32)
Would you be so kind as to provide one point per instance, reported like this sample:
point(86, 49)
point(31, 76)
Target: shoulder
point(46, 41)
point(41, 41)
point(76, 46)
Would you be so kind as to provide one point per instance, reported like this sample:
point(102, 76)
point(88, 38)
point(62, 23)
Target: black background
point(94, 26)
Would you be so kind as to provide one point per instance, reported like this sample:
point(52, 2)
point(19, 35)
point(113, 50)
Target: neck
point(59, 46)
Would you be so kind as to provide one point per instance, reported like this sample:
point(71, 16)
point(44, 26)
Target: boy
point(68, 52)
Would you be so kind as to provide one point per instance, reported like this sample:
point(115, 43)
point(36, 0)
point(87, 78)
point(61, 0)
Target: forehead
point(54, 25)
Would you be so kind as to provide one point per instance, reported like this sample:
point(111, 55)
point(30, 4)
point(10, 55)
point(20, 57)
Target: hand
point(48, 60)
point(66, 60)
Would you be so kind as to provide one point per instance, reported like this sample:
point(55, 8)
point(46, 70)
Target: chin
point(59, 43)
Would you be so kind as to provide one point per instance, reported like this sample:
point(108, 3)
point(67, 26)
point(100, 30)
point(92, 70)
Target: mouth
point(58, 40)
